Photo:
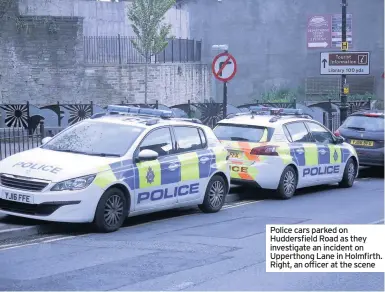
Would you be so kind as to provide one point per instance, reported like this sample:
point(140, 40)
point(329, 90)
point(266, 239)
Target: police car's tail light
point(268, 150)
point(373, 114)
point(78, 183)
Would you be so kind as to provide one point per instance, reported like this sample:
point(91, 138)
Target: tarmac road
point(194, 251)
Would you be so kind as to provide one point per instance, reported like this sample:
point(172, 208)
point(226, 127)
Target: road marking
point(31, 242)
point(180, 286)
point(377, 222)
point(61, 238)
point(240, 205)
point(16, 229)
point(227, 206)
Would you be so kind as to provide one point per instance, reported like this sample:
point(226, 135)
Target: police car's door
point(329, 154)
point(304, 152)
point(195, 161)
point(158, 179)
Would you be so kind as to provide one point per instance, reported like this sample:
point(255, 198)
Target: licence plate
point(236, 154)
point(17, 197)
point(362, 143)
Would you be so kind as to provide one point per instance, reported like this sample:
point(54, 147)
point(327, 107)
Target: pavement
point(188, 250)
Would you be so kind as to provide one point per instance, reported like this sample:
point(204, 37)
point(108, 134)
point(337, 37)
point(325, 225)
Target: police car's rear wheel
point(215, 195)
point(349, 174)
point(288, 183)
point(111, 211)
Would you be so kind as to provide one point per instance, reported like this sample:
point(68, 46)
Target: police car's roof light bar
point(275, 111)
point(140, 111)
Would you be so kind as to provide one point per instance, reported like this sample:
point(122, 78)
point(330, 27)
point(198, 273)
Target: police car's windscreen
point(231, 132)
point(95, 138)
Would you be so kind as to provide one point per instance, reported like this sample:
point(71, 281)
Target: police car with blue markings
point(283, 150)
point(125, 162)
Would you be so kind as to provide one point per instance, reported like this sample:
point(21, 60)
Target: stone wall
point(102, 18)
point(43, 63)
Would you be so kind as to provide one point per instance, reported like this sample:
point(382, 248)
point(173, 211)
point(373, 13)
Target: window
point(188, 139)
point(203, 138)
point(95, 138)
point(159, 141)
point(364, 123)
point(287, 134)
point(231, 132)
point(320, 134)
point(298, 132)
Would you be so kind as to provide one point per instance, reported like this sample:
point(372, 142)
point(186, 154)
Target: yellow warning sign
point(346, 90)
point(345, 46)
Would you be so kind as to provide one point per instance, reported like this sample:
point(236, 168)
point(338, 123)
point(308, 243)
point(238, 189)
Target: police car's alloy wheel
point(111, 211)
point(288, 183)
point(350, 173)
point(215, 195)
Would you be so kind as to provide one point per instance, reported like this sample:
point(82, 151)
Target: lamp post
point(344, 99)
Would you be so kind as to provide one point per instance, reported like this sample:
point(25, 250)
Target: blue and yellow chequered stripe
point(311, 154)
point(192, 166)
point(157, 172)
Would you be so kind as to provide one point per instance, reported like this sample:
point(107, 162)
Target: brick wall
point(43, 63)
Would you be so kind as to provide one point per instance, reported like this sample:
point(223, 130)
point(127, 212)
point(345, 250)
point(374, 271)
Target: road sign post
point(344, 97)
point(224, 67)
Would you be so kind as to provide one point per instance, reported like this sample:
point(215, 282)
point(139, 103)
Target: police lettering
point(239, 169)
point(166, 193)
point(320, 170)
point(37, 166)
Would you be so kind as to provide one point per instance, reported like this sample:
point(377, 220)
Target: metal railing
point(120, 50)
point(14, 140)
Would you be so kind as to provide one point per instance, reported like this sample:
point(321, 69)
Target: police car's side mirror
point(339, 140)
point(46, 140)
point(147, 155)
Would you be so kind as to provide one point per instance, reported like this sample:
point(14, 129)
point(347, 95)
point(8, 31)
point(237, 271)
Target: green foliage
point(351, 97)
point(361, 97)
point(147, 18)
point(279, 94)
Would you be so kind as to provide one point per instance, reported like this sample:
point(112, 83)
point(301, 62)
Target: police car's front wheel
point(349, 175)
point(111, 211)
point(288, 183)
point(215, 195)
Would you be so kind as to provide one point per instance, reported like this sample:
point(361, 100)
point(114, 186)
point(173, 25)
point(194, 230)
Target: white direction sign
point(318, 45)
point(348, 63)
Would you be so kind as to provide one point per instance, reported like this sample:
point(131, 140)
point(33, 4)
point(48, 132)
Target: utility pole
point(344, 99)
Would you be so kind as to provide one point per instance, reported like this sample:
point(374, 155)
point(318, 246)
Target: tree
point(147, 18)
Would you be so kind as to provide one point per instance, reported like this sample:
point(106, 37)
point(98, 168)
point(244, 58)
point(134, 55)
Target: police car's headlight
point(78, 183)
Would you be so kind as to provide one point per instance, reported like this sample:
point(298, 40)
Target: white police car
point(125, 162)
point(282, 149)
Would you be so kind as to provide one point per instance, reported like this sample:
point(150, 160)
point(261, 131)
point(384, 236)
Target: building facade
point(269, 42)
